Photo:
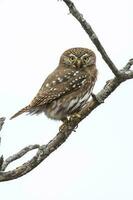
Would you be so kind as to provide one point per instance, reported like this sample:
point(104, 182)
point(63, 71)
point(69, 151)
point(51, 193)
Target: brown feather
point(25, 109)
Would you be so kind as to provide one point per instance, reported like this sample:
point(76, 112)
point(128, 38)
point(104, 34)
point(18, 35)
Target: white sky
point(96, 162)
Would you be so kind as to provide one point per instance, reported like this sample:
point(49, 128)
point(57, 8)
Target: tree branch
point(128, 65)
point(86, 26)
point(18, 155)
point(66, 129)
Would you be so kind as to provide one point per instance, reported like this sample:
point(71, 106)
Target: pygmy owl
point(67, 89)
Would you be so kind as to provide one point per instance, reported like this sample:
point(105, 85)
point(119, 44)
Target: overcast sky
point(96, 162)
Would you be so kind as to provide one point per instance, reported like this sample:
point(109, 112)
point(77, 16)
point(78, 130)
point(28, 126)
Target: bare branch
point(126, 75)
point(18, 155)
point(86, 26)
point(128, 65)
point(43, 152)
point(66, 129)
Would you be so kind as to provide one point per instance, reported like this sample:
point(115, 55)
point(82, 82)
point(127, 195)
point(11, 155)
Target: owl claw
point(75, 116)
point(70, 119)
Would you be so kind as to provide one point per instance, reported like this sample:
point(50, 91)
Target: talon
point(75, 115)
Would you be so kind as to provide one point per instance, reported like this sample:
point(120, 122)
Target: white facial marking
point(84, 55)
point(72, 55)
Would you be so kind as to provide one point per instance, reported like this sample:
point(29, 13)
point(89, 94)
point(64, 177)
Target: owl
point(67, 89)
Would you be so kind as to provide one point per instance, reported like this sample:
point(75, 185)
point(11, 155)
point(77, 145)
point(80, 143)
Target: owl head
point(78, 58)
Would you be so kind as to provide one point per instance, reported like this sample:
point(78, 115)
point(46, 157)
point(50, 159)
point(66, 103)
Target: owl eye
point(72, 58)
point(85, 59)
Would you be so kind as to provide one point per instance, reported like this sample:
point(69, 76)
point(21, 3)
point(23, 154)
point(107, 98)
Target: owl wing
point(59, 84)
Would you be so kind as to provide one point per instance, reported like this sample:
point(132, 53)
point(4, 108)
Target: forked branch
point(66, 129)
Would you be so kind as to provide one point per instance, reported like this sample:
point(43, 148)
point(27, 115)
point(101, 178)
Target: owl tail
point(25, 109)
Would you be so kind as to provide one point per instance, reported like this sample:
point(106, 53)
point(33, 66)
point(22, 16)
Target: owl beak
point(78, 64)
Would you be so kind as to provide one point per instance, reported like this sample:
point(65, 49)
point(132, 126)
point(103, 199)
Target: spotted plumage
point(68, 88)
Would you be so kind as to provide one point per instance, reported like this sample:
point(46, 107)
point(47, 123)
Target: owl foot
point(75, 116)
point(96, 98)
point(65, 123)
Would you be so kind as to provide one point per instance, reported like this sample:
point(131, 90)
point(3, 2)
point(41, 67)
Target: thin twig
point(2, 120)
point(18, 155)
point(128, 65)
